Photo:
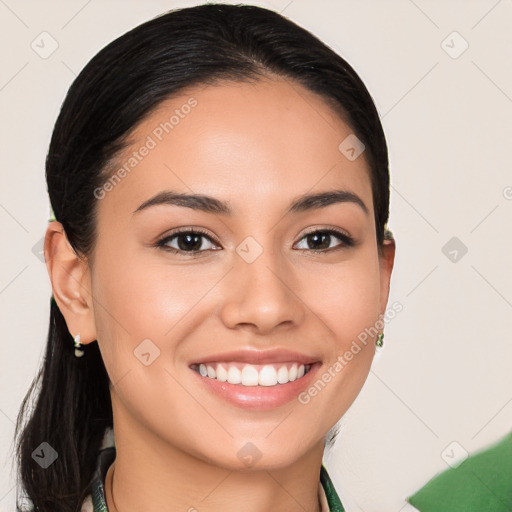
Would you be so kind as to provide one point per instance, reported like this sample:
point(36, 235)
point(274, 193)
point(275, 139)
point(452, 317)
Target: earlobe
point(71, 285)
point(387, 259)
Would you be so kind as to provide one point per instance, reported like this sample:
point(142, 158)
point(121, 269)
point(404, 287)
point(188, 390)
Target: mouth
point(256, 379)
point(253, 375)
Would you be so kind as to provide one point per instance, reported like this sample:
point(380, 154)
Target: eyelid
point(341, 234)
point(325, 228)
point(347, 241)
point(188, 229)
point(162, 241)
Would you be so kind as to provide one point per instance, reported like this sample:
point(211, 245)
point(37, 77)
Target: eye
point(321, 240)
point(189, 241)
point(186, 241)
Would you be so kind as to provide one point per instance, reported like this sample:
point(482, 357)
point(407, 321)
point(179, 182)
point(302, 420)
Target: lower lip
point(259, 397)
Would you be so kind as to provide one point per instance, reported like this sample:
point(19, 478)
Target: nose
point(262, 295)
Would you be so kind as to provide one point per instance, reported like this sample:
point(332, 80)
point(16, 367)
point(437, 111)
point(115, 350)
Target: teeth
point(282, 375)
point(268, 376)
point(222, 374)
point(253, 375)
point(249, 376)
point(234, 375)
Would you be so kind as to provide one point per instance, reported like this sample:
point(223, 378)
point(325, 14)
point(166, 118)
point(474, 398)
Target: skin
point(258, 146)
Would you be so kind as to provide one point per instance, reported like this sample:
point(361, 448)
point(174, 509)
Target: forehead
point(241, 142)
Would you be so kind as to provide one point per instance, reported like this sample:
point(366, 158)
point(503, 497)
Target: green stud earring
point(380, 339)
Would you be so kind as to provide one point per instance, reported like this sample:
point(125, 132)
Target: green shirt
point(481, 483)
point(96, 502)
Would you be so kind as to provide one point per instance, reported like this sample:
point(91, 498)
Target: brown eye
point(320, 240)
point(186, 241)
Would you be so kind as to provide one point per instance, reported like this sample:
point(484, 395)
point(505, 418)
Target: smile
point(253, 374)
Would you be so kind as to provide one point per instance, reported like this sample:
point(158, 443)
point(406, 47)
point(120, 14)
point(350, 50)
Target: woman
point(220, 268)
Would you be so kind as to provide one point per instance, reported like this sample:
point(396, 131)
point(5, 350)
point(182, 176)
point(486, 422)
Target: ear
point(71, 283)
point(387, 259)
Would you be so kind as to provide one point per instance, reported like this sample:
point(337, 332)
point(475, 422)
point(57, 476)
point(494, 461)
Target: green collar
point(107, 456)
point(330, 492)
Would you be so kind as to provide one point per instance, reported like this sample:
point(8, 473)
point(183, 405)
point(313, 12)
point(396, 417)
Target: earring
point(78, 346)
point(380, 339)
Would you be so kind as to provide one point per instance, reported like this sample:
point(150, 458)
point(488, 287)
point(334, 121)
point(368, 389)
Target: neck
point(163, 478)
point(251, 496)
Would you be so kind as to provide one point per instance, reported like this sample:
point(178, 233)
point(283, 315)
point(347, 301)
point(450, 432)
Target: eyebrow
point(210, 204)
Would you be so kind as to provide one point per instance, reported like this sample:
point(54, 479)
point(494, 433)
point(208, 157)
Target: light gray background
point(443, 374)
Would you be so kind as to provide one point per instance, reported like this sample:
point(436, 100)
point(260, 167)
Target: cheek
point(347, 297)
point(136, 312)
point(145, 299)
point(140, 300)
point(347, 301)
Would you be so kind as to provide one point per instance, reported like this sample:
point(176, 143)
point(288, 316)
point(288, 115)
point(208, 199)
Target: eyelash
point(346, 240)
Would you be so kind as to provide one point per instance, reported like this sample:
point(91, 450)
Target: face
point(252, 288)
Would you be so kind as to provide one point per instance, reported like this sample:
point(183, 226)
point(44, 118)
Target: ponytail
point(58, 446)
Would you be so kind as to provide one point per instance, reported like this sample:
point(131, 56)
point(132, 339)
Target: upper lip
point(254, 356)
